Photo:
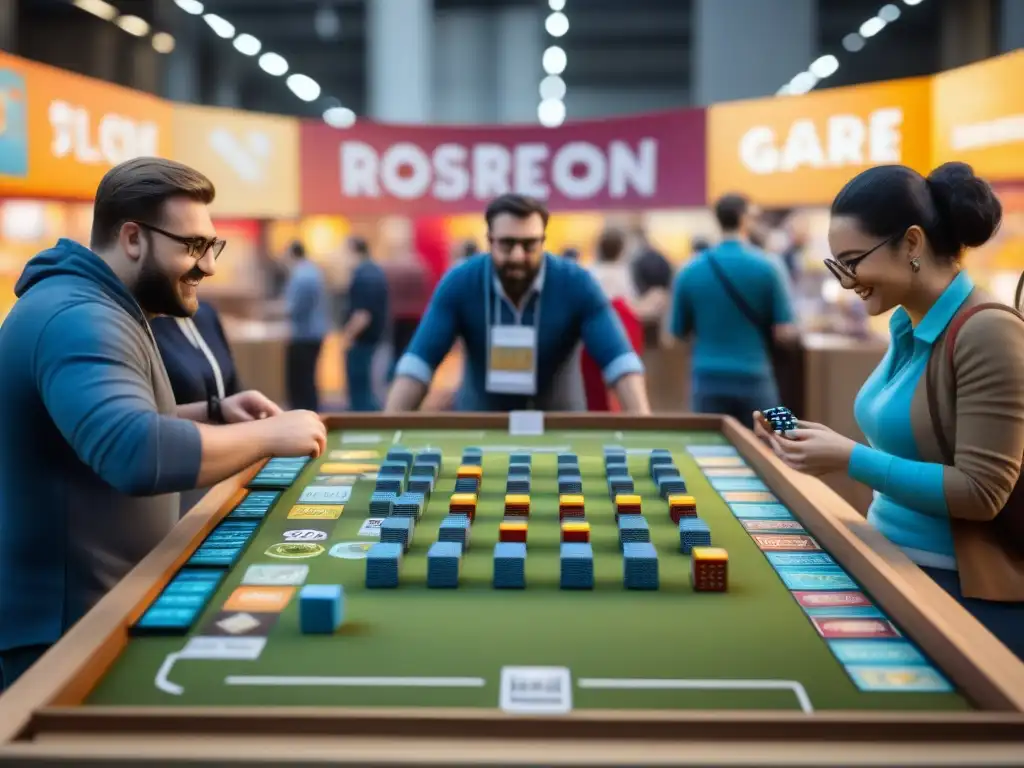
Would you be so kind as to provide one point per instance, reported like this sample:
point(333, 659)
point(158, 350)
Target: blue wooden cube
point(321, 608)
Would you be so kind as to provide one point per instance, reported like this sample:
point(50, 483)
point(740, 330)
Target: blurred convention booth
point(420, 190)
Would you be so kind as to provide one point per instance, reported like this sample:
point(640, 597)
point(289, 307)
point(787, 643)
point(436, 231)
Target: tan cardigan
point(981, 412)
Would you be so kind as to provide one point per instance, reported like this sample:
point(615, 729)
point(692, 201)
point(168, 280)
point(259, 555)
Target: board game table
point(826, 646)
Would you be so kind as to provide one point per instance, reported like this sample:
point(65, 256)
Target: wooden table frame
point(42, 722)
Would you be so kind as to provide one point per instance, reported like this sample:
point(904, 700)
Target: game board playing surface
point(571, 628)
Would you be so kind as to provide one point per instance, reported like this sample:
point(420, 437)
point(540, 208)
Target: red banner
point(650, 161)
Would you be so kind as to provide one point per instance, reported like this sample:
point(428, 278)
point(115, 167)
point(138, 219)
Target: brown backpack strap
point(931, 374)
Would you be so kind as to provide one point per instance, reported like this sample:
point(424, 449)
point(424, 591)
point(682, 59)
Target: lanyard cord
point(191, 332)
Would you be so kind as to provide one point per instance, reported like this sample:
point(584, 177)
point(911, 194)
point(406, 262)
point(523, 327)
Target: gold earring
point(915, 265)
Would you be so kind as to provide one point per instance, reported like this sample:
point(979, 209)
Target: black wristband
point(214, 413)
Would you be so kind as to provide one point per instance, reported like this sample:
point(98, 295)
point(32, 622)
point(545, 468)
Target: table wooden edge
point(974, 660)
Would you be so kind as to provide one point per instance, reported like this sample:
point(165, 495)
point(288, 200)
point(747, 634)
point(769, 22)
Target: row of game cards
point(872, 650)
point(185, 597)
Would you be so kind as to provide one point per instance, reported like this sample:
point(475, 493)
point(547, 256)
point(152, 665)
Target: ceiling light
point(557, 24)
point(551, 113)
point(853, 42)
point(802, 83)
point(554, 60)
point(872, 27)
point(273, 64)
point(220, 26)
point(190, 6)
point(339, 117)
point(824, 66)
point(163, 42)
point(99, 8)
point(247, 44)
point(133, 25)
point(552, 87)
point(911, 2)
point(305, 87)
point(556, 5)
point(889, 13)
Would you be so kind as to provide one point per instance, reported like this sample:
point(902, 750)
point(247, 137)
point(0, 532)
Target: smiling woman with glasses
point(944, 410)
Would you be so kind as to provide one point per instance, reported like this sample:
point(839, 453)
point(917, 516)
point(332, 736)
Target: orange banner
point(60, 132)
point(800, 150)
point(252, 159)
point(978, 117)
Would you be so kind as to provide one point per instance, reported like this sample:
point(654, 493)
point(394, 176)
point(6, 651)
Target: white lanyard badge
point(511, 348)
point(191, 332)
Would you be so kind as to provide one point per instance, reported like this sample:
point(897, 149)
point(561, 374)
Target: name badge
point(512, 365)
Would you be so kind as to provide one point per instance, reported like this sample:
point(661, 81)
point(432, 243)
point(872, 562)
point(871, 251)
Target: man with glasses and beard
point(93, 448)
point(522, 314)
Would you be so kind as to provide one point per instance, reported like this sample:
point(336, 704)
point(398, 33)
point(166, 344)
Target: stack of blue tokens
point(393, 485)
point(443, 560)
point(659, 456)
point(422, 484)
point(455, 528)
point(640, 565)
point(614, 456)
point(633, 529)
point(520, 458)
point(430, 456)
point(577, 566)
point(570, 481)
point(568, 460)
point(422, 468)
point(510, 565)
point(399, 453)
point(279, 472)
point(255, 505)
point(467, 485)
point(519, 470)
point(398, 530)
point(659, 471)
point(473, 456)
point(693, 532)
point(619, 483)
point(392, 468)
point(382, 503)
point(518, 484)
point(409, 505)
point(670, 484)
point(382, 561)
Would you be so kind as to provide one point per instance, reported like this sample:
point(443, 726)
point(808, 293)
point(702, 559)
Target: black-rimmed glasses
point(508, 244)
point(198, 247)
point(847, 268)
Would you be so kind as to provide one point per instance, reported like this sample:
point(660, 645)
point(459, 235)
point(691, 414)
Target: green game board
point(755, 632)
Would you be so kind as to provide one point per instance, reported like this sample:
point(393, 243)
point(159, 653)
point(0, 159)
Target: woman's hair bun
point(968, 208)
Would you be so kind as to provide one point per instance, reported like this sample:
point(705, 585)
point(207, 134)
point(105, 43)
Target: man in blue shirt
point(307, 301)
point(733, 301)
point(366, 321)
point(521, 314)
point(93, 448)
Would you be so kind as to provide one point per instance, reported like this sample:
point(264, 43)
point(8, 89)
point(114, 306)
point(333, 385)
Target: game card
point(784, 542)
point(729, 472)
point(240, 624)
point(920, 679)
point(772, 526)
point(800, 558)
point(702, 451)
point(807, 578)
point(845, 612)
point(749, 497)
point(877, 652)
point(831, 599)
point(760, 512)
point(832, 629)
point(353, 455)
point(371, 527)
point(738, 484)
point(259, 599)
point(316, 511)
point(325, 494)
point(275, 575)
point(719, 461)
point(346, 468)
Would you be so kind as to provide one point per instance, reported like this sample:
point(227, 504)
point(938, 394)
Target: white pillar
point(519, 45)
point(750, 48)
point(400, 61)
point(463, 87)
